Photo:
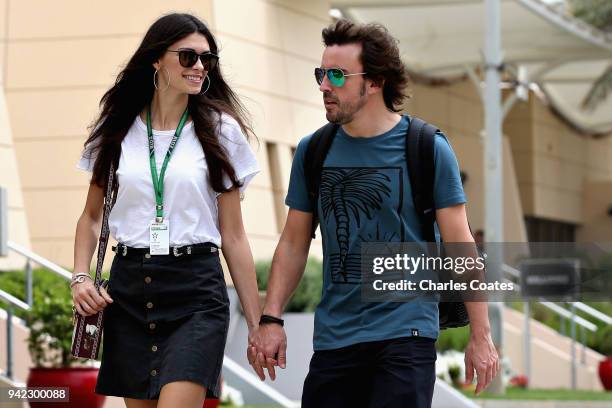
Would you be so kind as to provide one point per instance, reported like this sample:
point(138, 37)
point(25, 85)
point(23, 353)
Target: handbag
point(87, 331)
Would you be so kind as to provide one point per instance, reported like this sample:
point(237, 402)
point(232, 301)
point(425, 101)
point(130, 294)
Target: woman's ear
point(156, 65)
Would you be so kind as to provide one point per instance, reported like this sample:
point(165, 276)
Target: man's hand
point(481, 355)
point(267, 348)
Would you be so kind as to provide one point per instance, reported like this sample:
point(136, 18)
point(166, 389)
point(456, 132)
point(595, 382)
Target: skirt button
point(149, 305)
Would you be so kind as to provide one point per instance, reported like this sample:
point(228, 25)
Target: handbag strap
point(109, 201)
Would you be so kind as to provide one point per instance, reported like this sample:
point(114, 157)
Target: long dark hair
point(380, 57)
point(133, 91)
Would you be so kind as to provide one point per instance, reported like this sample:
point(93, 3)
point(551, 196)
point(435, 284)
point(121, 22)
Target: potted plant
point(454, 371)
point(49, 343)
point(519, 381)
point(605, 366)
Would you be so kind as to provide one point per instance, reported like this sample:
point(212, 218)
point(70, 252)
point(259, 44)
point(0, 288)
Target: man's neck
point(166, 110)
point(371, 122)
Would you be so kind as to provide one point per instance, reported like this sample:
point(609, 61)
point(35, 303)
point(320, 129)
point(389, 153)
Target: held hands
point(481, 355)
point(267, 348)
point(87, 300)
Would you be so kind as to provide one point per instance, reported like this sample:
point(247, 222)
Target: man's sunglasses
point(188, 58)
point(336, 76)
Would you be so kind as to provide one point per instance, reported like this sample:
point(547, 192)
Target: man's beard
point(345, 111)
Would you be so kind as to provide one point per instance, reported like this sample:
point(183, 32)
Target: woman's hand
point(87, 300)
point(267, 347)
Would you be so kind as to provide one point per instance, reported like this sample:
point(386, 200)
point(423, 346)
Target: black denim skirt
point(168, 322)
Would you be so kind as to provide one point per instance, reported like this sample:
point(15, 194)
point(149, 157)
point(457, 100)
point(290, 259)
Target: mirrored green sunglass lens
point(336, 77)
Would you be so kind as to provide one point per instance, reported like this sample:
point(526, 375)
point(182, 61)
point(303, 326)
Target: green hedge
point(453, 339)
point(49, 320)
point(308, 293)
point(45, 284)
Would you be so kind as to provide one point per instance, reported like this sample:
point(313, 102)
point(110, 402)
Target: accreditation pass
point(159, 238)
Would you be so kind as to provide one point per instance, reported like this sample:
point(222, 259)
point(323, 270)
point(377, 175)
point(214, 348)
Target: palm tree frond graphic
point(351, 192)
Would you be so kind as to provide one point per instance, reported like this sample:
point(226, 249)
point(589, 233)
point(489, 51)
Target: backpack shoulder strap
point(316, 151)
point(421, 170)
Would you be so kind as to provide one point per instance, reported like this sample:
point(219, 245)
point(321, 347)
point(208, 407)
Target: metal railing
point(593, 312)
point(12, 302)
point(564, 315)
point(561, 311)
point(26, 305)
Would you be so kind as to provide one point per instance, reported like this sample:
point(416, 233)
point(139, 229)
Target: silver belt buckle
point(176, 253)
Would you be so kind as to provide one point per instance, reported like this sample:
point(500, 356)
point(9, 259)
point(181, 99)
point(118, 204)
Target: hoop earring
point(207, 86)
point(155, 79)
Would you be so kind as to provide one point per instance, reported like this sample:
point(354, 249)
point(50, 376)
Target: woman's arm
point(84, 295)
point(88, 228)
point(237, 253)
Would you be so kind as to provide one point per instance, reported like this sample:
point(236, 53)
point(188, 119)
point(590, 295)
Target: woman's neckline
point(156, 132)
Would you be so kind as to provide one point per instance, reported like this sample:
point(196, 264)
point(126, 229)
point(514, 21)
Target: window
point(543, 230)
point(277, 184)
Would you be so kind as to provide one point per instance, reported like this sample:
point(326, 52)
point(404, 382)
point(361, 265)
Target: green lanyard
point(158, 182)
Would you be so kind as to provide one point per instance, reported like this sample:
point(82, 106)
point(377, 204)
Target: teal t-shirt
point(365, 196)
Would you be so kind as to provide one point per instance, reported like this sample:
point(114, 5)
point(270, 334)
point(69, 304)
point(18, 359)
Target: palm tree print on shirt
point(349, 194)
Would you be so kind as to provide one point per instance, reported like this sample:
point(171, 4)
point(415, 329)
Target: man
point(366, 354)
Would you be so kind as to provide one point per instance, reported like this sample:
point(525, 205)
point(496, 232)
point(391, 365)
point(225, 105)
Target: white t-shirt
point(190, 203)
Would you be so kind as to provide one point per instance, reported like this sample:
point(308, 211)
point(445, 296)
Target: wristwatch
point(79, 278)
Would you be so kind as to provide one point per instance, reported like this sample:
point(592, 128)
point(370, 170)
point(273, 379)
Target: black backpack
point(421, 169)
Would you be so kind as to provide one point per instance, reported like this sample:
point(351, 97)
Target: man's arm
point(289, 261)
point(270, 342)
point(480, 354)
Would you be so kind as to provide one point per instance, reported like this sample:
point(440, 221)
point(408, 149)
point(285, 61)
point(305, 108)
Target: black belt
point(204, 248)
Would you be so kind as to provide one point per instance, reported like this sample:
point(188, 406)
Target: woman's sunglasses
point(188, 58)
point(336, 76)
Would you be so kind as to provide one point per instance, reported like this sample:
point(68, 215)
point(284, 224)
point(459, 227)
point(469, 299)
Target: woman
point(167, 315)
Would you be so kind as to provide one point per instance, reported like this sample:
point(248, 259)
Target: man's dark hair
point(380, 56)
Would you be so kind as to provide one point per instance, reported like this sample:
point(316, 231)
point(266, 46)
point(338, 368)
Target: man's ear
point(375, 86)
